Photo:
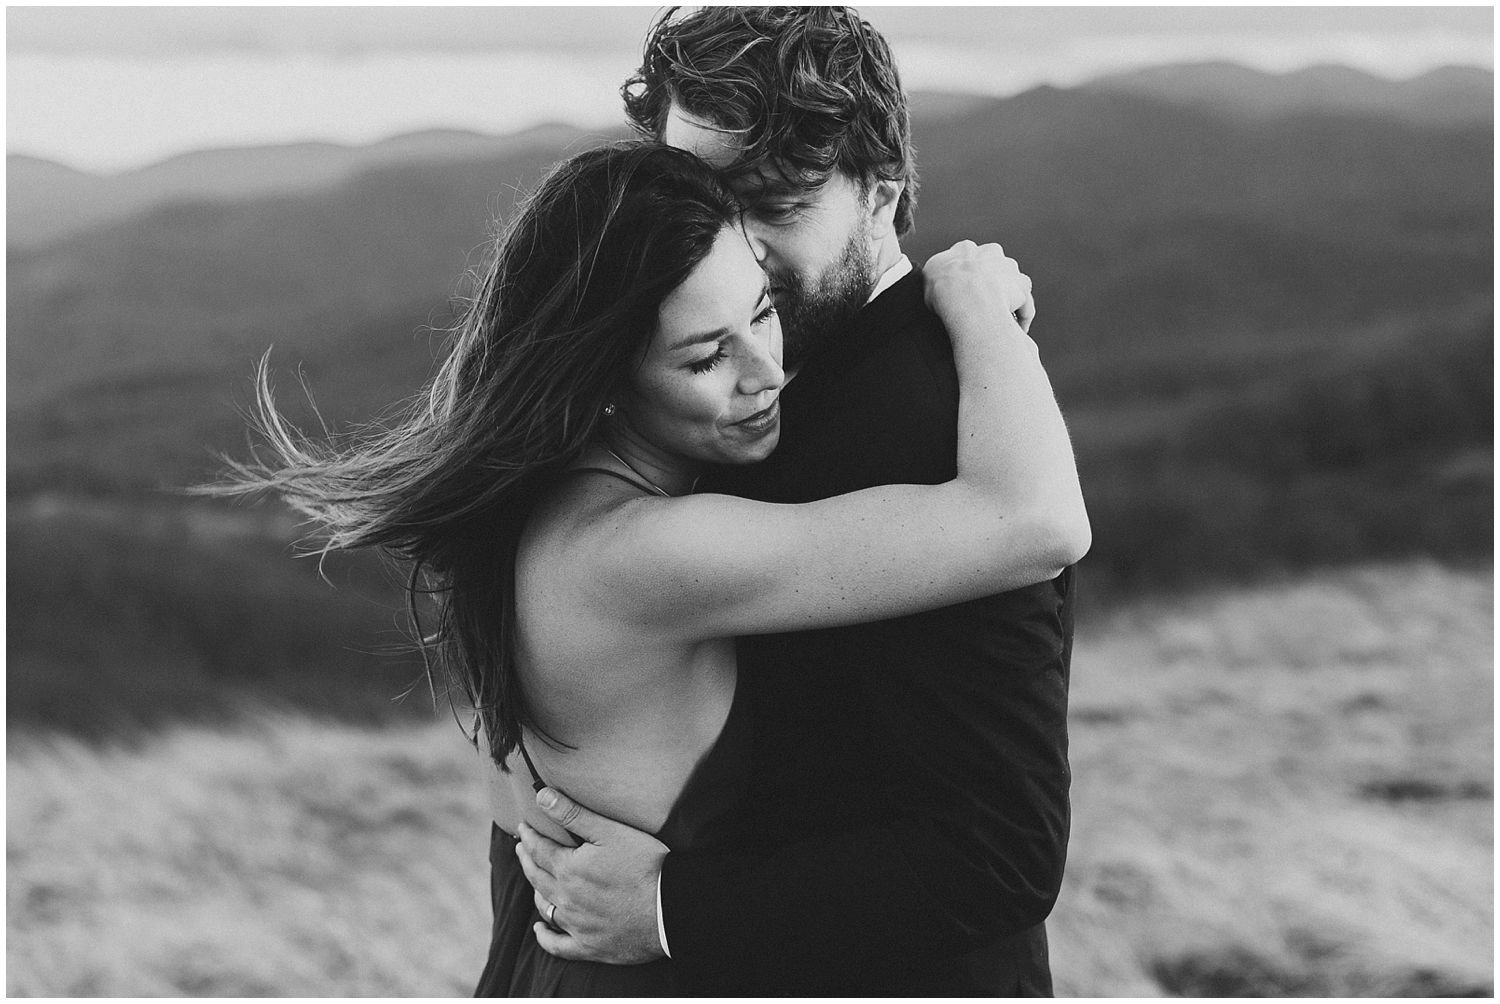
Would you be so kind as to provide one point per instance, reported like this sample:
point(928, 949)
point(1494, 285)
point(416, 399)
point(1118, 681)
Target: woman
point(623, 340)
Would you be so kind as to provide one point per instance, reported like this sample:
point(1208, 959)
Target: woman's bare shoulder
point(577, 525)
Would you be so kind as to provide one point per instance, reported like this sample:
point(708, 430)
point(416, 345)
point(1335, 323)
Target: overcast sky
point(107, 89)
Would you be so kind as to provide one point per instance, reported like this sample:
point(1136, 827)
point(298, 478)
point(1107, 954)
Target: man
point(908, 808)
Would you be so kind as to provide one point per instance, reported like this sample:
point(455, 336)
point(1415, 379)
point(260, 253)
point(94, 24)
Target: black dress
point(700, 818)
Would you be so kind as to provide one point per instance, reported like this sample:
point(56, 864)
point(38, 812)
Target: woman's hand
point(977, 282)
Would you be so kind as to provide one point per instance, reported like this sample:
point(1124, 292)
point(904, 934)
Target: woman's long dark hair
point(571, 299)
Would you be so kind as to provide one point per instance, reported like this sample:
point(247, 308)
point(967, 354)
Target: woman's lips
point(762, 420)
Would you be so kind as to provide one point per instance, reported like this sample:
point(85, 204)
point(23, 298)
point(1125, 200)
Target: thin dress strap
point(537, 784)
point(615, 474)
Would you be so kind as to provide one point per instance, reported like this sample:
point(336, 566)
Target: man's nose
point(755, 233)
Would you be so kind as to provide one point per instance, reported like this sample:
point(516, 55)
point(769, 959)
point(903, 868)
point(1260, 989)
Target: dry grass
point(1286, 792)
point(291, 859)
point(1277, 791)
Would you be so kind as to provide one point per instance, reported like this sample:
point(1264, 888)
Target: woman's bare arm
point(712, 565)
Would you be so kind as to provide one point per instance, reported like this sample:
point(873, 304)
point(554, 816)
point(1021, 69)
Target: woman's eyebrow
point(701, 337)
point(723, 332)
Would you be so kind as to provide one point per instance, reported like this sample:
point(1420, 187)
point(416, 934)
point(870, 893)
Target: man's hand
point(604, 889)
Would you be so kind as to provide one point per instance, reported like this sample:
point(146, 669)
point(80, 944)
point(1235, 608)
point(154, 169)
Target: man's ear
point(883, 198)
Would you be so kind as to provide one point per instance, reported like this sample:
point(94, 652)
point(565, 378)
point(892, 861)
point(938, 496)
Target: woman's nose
point(762, 370)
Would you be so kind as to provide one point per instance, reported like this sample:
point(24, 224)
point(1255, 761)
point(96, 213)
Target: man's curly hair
point(806, 91)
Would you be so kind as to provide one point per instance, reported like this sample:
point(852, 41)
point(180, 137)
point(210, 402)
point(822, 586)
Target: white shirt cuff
point(661, 924)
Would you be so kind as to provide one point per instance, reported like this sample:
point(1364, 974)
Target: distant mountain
point(1173, 217)
point(1272, 335)
point(1147, 221)
point(44, 199)
point(199, 285)
point(1451, 95)
point(930, 106)
point(47, 201)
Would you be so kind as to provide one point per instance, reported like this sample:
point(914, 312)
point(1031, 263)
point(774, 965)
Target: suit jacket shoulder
point(878, 405)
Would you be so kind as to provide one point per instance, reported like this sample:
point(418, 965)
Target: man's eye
point(776, 212)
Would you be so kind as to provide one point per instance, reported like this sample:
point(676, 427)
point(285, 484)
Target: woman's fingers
point(1026, 314)
point(969, 274)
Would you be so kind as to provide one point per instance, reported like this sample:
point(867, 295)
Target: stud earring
point(609, 411)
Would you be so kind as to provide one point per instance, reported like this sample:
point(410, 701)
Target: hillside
point(1278, 792)
point(1126, 207)
point(1272, 336)
point(198, 285)
point(1151, 229)
point(1449, 95)
point(1158, 222)
point(46, 201)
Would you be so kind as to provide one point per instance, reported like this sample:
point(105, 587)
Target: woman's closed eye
point(704, 365)
point(720, 353)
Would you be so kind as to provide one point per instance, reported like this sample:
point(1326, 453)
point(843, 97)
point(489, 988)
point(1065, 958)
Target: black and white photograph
point(896, 501)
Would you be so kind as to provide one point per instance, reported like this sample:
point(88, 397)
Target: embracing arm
point(966, 848)
point(721, 566)
point(940, 870)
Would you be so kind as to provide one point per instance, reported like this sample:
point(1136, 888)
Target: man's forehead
point(686, 131)
point(721, 149)
point(763, 182)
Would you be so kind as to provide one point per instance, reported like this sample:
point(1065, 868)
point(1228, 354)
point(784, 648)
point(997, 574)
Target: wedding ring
point(552, 915)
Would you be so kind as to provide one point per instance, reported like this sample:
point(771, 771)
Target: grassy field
point(1283, 790)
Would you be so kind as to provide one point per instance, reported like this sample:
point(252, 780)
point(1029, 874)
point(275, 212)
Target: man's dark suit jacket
point(908, 800)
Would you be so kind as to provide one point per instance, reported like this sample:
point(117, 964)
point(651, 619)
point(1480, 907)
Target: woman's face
point(708, 385)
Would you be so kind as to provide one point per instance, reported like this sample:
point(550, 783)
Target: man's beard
point(810, 317)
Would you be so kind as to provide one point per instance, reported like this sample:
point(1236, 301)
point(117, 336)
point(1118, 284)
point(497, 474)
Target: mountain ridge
point(46, 203)
point(1443, 96)
point(1272, 335)
point(1106, 188)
